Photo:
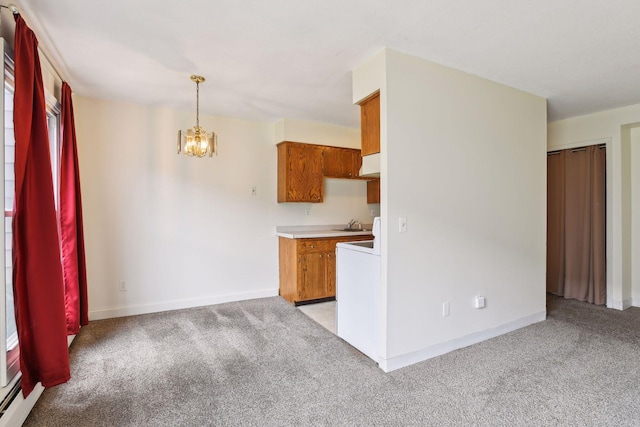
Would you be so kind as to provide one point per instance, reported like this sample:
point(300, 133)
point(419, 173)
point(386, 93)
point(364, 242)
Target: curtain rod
point(49, 64)
point(573, 150)
point(14, 9)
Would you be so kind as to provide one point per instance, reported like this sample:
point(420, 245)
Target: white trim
point(178, 304)
point(622, 305)
point(407, 359)
point(577, 144)
point(20, 408)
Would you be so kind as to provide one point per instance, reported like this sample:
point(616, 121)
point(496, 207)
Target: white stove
point(358, 293)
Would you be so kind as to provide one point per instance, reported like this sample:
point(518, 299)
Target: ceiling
point(266, 60)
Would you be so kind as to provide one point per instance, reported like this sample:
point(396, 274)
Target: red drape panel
point(37, 270)
point(71, 228)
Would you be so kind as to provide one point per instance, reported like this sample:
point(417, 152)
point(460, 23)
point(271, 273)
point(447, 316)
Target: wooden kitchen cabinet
point(370, 124)
point(303, 167)
point(341, 162)
point(313, 283)
point(300, 172)
point(308, 268)
point(373, 191)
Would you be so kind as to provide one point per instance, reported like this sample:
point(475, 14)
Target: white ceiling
point(293, 58)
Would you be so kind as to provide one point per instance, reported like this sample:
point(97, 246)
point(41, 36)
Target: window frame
point(9, 351)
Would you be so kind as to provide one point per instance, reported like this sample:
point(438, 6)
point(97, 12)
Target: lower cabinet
point(308, 268)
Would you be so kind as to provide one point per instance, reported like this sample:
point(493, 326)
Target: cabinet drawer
point(308, 246)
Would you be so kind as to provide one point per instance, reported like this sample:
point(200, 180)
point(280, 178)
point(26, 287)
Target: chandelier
point(197, 142)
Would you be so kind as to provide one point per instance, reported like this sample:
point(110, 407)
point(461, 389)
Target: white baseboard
point(20, 408)
point(178, 304)
point(622, 305)
point(407, 359)
point(635, 302)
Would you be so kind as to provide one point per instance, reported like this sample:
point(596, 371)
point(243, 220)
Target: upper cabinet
point(300, 172)
point(340, 162)
point(303, 167)
point(370, 124)
point(373, 191)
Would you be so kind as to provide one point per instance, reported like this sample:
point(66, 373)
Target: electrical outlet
point(307, 212)
point(122, 286)
point(373, 212)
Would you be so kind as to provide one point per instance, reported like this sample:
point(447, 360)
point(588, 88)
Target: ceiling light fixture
point(197, 142)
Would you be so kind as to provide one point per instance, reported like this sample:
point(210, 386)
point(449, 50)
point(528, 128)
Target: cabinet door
point(331, 273)
point(370, 125)
point(313, 278)
point(373, 191)
point(341, 162)
point(299, 173)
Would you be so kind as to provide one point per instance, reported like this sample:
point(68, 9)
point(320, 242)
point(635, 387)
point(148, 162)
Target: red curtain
point(71, 229)
point(37, 270)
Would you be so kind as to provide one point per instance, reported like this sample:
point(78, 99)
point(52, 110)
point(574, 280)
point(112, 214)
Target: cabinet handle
point(320, 255)
point(312, 246)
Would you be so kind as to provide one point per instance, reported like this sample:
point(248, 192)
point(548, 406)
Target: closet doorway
point(576, 224)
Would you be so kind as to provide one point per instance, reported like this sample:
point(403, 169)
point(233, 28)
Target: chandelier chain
point(198, 104)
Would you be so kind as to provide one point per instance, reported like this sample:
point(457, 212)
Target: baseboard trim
point(407, 359)
point(20, 408)
point(178, 304)
point(635, 302)
point(622, 305)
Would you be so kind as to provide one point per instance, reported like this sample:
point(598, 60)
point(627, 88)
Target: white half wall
point(179, 231)
point(614, 127)
point(463, 159)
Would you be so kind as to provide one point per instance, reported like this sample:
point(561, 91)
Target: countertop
point(319, 231)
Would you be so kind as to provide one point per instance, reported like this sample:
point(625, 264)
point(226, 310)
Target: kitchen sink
point(353, 229)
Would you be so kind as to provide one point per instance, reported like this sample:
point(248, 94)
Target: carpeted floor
point(264, 363)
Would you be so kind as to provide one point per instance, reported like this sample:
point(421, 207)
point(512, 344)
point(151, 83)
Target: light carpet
point(264, 363)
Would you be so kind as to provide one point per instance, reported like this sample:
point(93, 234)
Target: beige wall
point(181, 231)
point(464, 160)
point(316, 133)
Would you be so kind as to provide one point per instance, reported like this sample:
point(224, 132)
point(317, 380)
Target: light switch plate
point(402, 225)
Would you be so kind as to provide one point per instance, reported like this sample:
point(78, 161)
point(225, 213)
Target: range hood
point(371, 165)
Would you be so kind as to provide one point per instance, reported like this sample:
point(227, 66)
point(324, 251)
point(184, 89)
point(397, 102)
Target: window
point(9, 363)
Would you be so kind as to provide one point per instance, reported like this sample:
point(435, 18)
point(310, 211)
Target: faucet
point(354, 222)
